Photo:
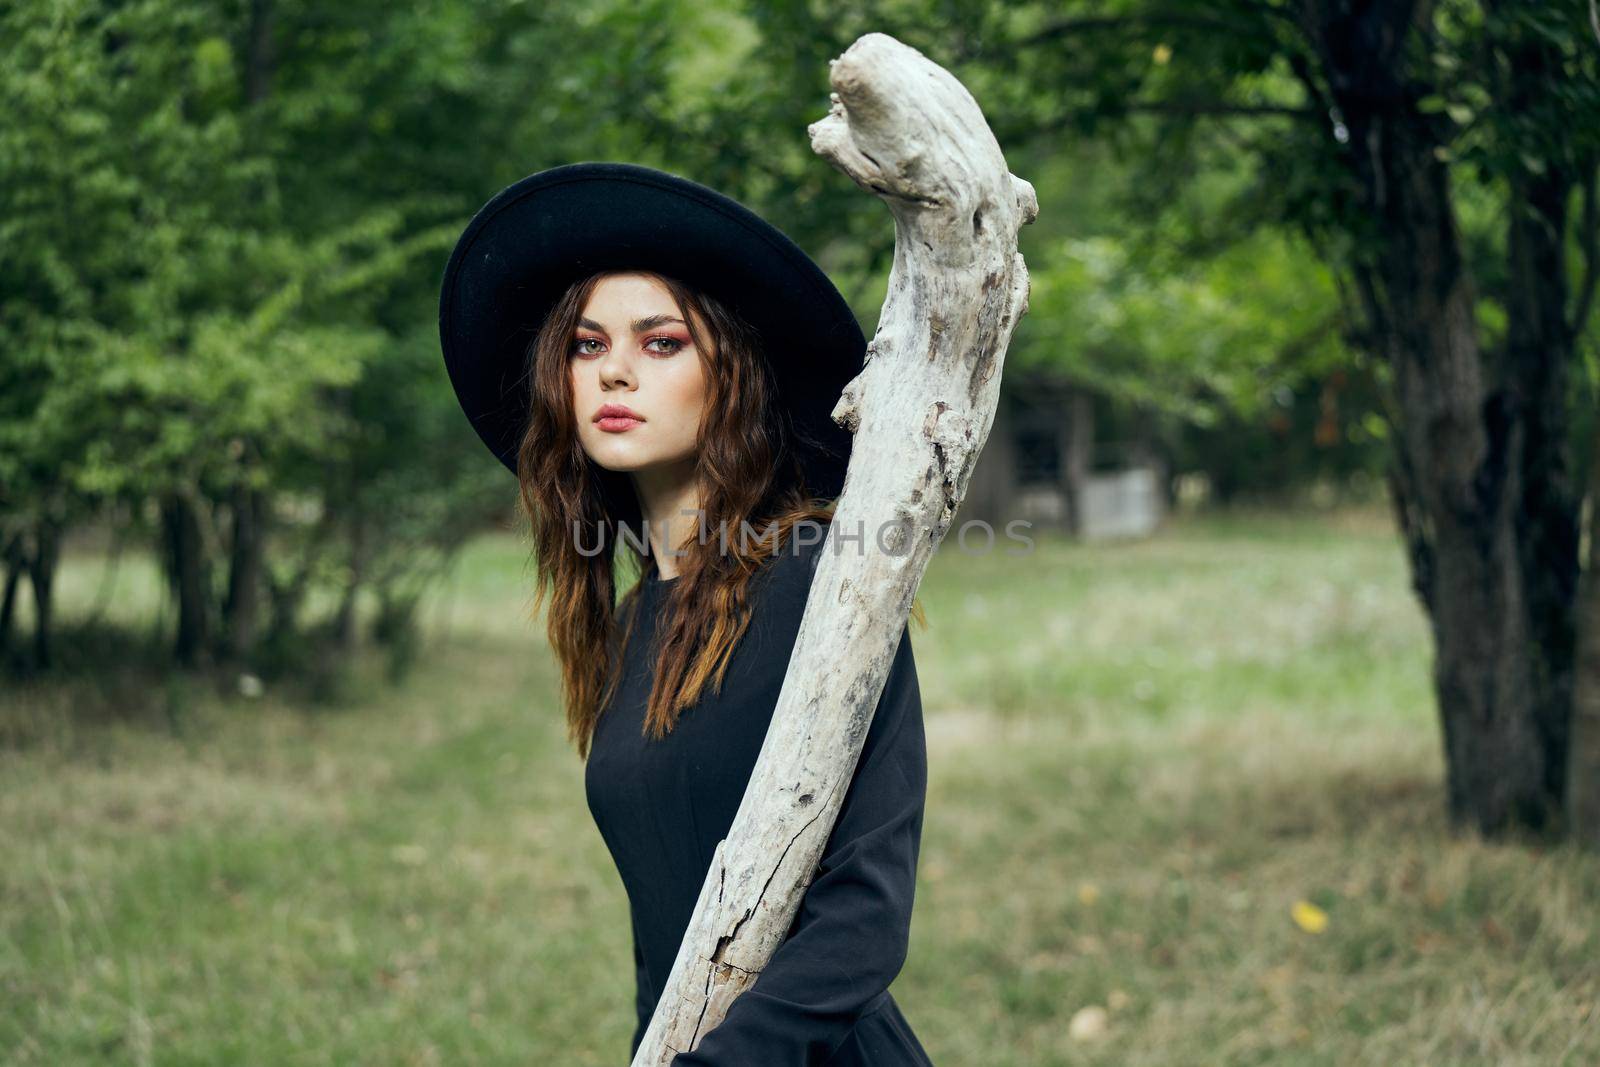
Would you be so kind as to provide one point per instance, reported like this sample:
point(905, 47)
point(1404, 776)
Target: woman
point(658, 364)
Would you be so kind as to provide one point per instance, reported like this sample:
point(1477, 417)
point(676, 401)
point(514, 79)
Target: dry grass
point(1141, 758)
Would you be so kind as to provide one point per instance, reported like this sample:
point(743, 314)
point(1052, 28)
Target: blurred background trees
point(1289, 244)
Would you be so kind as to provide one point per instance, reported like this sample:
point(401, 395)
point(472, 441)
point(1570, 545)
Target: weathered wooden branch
point(921, 408)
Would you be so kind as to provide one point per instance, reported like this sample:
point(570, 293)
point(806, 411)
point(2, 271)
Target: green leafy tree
point(225, 226)
point(1441, 159)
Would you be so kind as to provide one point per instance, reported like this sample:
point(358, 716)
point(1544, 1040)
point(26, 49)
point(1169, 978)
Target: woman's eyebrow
point(639, 325)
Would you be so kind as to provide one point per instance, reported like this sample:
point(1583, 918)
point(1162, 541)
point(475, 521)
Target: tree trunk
point(186, 577)
point(1474, 479)
point(1538, 354)
point(41, 575)
point(13, 558)
point(242, 609)
point(344, 625)
point(1583, 768)
point(921, 409)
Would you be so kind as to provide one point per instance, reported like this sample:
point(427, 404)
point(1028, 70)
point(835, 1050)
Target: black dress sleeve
point(643, 995)
point(851, 934)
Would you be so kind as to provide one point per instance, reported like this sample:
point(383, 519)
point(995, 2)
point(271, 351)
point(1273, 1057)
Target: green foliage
point(1160, 273)
point(222, 227)
point(161, 310)
point(222, 237)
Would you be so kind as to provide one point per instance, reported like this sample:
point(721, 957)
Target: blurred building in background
point(1042, 465)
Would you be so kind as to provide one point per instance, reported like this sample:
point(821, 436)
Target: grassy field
point(1142, 757)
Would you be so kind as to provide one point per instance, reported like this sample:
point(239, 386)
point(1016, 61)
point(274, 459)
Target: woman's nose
point(615, 369)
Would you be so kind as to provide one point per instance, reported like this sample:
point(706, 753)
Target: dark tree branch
point(1301, 65)
point(1591, 253)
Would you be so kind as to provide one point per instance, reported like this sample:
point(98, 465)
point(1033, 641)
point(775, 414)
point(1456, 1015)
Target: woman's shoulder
point(794, 564)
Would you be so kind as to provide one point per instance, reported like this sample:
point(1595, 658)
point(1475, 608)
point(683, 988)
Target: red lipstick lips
point(616, 418)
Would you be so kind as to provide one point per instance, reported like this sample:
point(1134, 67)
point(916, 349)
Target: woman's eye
point(673, 342)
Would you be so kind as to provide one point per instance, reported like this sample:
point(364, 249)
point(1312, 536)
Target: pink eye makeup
point(672, 345)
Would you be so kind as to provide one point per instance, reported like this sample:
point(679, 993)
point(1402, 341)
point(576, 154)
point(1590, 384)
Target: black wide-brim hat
point(536, 237)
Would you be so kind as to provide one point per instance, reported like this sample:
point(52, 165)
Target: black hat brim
point(536, 237)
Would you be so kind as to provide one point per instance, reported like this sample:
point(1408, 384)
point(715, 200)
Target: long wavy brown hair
point(586, 520)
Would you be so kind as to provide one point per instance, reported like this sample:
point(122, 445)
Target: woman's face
point(632, 349)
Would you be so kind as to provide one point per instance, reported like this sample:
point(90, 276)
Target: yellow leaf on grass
point(1308, 917)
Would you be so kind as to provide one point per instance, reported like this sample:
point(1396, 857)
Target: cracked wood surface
point(921, 408)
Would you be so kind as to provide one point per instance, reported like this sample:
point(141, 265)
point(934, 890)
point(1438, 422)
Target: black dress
point(662, 807)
